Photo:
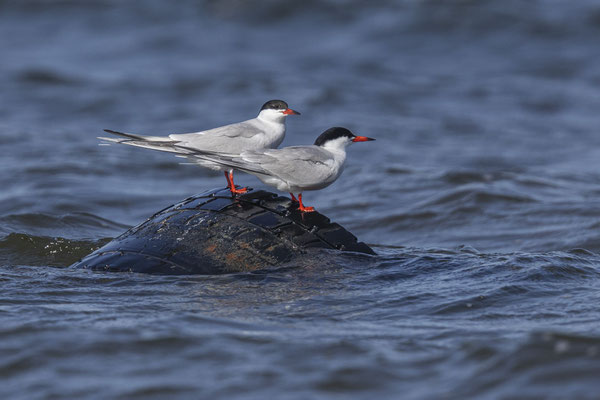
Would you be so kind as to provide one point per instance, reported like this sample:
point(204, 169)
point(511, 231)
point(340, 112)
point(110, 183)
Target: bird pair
point(251, 146)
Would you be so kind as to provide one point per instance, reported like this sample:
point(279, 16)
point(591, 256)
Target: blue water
point(481, 196)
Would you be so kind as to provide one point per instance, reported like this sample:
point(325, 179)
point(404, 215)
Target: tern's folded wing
point(302, 165)
point(240, 130)
point(225, 159)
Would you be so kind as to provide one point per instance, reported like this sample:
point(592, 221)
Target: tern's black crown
point(274, 105)
point(333, 133)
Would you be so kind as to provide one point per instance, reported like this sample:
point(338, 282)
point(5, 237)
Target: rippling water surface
point(481, 196)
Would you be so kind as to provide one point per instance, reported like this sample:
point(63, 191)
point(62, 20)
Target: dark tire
point(215, 233)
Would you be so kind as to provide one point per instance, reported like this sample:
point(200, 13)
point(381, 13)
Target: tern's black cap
point(275, 105)
point(333, 133)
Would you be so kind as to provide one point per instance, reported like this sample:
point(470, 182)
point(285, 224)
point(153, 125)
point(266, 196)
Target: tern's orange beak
point(362, 139)
point(289, 111)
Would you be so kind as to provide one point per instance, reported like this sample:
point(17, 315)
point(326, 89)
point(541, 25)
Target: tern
point(292, 169)
point(266, 131)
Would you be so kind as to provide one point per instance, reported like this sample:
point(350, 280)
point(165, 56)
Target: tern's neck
point(337, 148)
point(337, 145)
point(271, 116)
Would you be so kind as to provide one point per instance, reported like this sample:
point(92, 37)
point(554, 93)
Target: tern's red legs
point(301, 207)
point(231, 185)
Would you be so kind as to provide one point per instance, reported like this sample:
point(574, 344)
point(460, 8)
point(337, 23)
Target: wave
point(545, 18)
point(23, 249)
point(544, 362)
point(43, 76)
point(491, 283)
point(78, 224)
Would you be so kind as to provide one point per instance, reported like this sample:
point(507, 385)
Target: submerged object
point(215, 233)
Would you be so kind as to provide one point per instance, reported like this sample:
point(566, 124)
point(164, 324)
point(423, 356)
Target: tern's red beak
point(289, 111)
point(362, 139)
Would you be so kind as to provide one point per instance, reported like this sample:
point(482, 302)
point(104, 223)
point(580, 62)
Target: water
point(480, 196)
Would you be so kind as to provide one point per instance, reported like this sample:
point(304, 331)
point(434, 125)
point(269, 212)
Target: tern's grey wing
point(300, 165)
point(305, 166)
point(233, 138)
point(225, 159)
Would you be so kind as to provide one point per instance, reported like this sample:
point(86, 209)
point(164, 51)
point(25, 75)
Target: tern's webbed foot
point(301, 206)
point(238, 190)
